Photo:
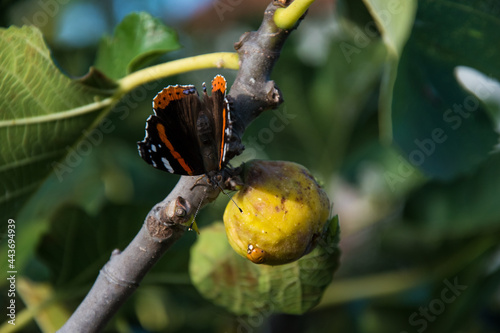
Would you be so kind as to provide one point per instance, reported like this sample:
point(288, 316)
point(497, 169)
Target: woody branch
point(251, 93)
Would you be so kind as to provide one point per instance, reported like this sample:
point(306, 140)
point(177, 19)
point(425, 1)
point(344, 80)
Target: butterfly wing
point(172, 131)
point(218, 107)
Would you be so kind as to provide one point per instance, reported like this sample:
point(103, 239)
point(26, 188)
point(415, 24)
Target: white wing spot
point(224, 152)
point(167, 165)
point(153, 148)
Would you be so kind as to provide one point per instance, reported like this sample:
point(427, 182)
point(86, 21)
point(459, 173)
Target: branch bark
point(251, 93)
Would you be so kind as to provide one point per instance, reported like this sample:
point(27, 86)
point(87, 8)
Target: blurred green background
point(392, 106)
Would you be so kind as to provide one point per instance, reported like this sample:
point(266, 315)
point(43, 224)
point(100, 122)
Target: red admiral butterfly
point(187, 135)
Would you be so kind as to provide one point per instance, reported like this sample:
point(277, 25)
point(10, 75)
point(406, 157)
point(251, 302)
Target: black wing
point(218, 107)
point(171, 142)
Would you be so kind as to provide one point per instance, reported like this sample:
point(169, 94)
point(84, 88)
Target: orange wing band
point(176, 155)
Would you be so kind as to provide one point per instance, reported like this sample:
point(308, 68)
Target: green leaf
point(244, 288)
point(394, 20)
point(49, 316)
point(466, 206)
point(42, 114)
point(86, 242)
point(441, 128)
point(136, 41)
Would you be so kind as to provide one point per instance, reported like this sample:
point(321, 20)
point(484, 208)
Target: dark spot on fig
point(245, 190)
point(307, 174)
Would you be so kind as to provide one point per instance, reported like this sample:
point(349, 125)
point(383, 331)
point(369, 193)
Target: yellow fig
point(284, 213)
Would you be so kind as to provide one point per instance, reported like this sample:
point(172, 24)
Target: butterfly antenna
point(193, 225)
point(241, 210)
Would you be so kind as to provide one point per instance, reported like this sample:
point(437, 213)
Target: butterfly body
point(188, 135)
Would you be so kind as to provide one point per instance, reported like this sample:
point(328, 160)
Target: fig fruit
point(284, 213)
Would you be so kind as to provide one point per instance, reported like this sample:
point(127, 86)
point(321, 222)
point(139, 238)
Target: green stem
point(285, 18)
point(23, 318)
point(381, 284)
point(84, 109)
point(211, 60)
point(354, 288)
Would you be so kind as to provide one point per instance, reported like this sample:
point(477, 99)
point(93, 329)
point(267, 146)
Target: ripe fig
point(284, 213)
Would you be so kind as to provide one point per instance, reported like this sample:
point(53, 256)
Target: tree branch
point(251, 94)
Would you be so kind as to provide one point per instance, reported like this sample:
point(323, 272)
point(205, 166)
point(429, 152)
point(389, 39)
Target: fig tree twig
point(251, 94)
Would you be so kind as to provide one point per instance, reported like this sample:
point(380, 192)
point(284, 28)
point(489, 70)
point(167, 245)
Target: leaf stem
point(95, 106)
point(219, 60)
point(285, 18)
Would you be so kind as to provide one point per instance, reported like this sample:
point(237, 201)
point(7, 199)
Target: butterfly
point(188, 135)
